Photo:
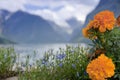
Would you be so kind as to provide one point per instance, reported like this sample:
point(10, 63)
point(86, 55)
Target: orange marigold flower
point(95, 24)
point(106, 20)
point(101, 68)
point(85, 31)
point(92, 24)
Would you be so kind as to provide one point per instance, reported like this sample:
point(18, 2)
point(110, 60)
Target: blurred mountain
point(60, 30)
point(112, 5)
point(75, 25)
point(5, 41)
point(23, 27)
point(3, 16)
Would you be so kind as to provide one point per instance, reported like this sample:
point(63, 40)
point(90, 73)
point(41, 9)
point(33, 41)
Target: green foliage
point(7, 60)
point(112, 48)
point(109, 42)
point(68, 64)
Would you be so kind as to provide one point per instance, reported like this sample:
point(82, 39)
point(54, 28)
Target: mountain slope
point(3, 16)
point(26, 28)
point(75, 25)
point(4, 40)
point(112, 5)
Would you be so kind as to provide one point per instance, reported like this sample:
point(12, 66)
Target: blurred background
point(57, 22)
point(43, 21)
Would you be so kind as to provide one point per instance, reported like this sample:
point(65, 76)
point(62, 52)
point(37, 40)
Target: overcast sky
point(55, 10)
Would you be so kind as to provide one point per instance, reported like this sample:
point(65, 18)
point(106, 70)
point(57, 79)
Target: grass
point(69, 63)
point(7, 59)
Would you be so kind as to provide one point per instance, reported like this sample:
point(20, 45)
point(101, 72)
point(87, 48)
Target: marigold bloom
point(85, 31)
point(101, 68)
point(102, 21)
point(94, 24)
point(106, 20)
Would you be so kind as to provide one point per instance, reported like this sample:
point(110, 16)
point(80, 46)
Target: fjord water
point(26, 49)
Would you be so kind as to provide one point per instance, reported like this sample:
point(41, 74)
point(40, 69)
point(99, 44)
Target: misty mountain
point(60, 30)
point(3, 40)
point(75, 25)
point(23, 27)
point(112, 5)
point(3, 16)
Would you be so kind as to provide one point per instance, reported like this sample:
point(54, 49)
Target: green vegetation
point(7, 59)
point(69, 63)
point(64, 64)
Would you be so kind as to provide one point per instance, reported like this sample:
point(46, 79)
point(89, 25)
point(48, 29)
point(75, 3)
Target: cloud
point(12, 5)
point(66, 12)
point(57, 11)
point(64, 8)
point(53, 16)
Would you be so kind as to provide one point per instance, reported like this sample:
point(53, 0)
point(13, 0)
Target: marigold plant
point(85, 32)
point(102, 22)
point(101, 68)
point(106, 20)
point(104, 32)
